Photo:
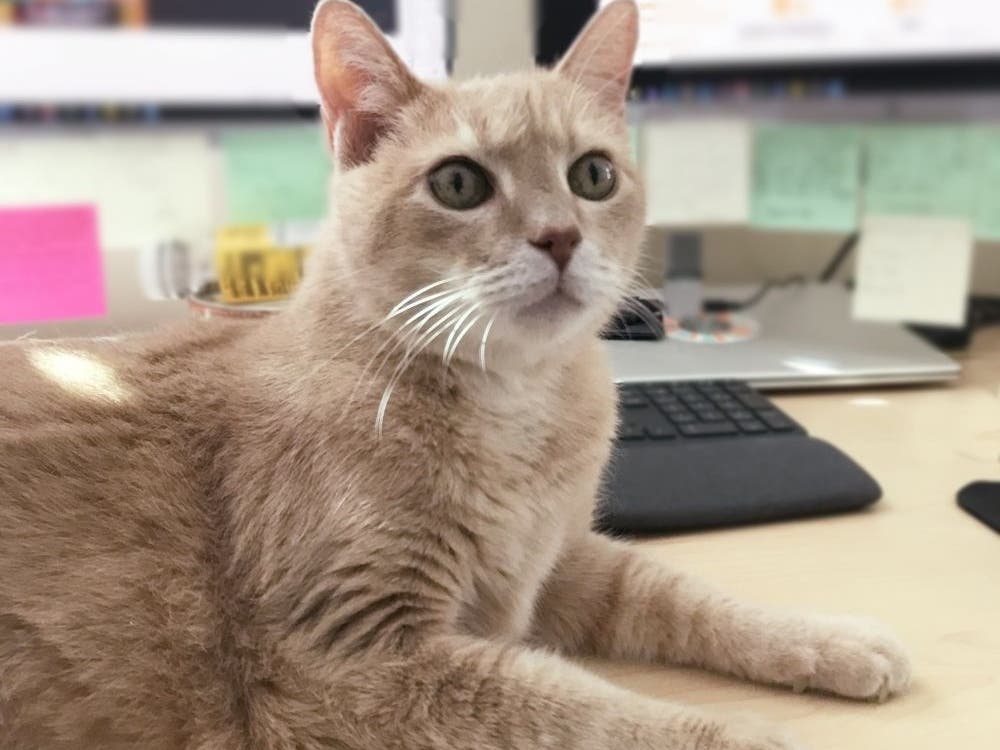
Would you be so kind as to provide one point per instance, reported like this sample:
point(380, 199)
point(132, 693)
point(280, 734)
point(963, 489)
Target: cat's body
point(209, 504)
point(230, 536)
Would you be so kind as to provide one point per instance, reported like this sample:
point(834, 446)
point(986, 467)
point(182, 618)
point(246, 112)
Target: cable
point(842, 254)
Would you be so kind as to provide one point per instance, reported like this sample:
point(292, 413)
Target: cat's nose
point(560, 244)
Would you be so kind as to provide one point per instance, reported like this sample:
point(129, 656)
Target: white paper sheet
point(147, 188)
point(914, 269)
point(697, 171)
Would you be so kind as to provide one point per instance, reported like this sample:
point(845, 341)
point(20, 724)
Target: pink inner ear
point(602, 57)
point(362, 82)
point(357, 137)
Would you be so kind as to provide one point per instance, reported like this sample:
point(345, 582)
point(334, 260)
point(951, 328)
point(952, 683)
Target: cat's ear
point(602, 56)
point(362, 81)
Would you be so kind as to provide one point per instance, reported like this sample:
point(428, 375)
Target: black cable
point(842, 254)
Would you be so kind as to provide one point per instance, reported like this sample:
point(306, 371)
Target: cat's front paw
point(851, 657)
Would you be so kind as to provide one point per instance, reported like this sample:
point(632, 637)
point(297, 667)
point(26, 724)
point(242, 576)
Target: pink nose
point(560, 244)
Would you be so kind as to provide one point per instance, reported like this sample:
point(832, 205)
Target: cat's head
point(507, 207)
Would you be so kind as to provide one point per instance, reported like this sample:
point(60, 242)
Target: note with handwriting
point(807, 178)
point(697, 171)
point(914, 269)
point(147, 188)
point(50, 265)
point(276, 175)
point(921, 171)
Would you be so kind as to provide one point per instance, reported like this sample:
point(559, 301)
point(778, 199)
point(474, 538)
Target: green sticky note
point(635, 137)
point(921, 171)
point(986, 211)
point(806, 177)
point(276, 175)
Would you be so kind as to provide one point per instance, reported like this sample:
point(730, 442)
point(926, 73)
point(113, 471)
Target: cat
point(365, 522)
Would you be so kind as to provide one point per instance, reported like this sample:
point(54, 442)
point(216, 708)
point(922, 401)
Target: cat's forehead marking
point(467, 134)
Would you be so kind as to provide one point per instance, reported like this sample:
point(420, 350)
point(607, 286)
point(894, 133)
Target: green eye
point(460, 184)
point(593, 177)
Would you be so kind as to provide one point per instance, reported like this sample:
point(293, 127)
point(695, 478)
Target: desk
point(916, 561)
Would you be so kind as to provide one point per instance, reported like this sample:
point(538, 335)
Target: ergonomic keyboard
point(716, 453)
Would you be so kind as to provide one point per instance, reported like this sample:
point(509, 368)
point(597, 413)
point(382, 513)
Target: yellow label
point(252, 268)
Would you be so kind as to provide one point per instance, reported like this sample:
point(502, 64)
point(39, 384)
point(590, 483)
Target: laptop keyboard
point(699, 410)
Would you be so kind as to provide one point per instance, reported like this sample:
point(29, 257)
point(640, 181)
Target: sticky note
point(697, 171)
point(635, 136)
point(147, 189)
point(276, 175)
point(807, 178)
point(914, 269)
point(50, 265)
point(986, 210)
point(920, 170)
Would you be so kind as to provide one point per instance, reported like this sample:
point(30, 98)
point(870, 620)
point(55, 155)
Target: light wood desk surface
point(916, 561)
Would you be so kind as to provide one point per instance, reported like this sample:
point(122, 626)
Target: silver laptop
point(799, 337)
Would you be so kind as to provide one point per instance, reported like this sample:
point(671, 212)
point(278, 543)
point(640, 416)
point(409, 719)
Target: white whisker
point(403, 303)
point(451, 345)
point(482, 346)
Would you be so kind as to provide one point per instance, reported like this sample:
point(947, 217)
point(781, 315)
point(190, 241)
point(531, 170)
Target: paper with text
point(914, 269)
point(147, 188)
point(697, 171)
point(807, 178)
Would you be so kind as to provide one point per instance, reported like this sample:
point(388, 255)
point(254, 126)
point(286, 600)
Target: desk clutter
point(221, 189)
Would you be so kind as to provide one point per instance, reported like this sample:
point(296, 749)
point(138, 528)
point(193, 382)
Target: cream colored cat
point(365, 523)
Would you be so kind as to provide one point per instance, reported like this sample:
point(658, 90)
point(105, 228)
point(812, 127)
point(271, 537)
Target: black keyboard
point(698, 410)
point(719, 453)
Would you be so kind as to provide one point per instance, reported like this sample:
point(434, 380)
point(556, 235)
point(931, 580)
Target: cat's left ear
point(602, 56)
point(361, 79)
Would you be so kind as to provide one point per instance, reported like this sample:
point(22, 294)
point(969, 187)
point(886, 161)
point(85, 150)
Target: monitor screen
point(680, 33)
point(187, 53)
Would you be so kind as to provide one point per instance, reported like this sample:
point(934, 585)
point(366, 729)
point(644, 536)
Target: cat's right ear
point(362, 82)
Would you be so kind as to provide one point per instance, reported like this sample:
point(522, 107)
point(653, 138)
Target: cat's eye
point(461, 184)
point(593, 177)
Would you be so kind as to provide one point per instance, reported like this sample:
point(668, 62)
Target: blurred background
point(152, 149)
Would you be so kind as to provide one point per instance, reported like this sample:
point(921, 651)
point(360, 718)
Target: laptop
point(795, 337)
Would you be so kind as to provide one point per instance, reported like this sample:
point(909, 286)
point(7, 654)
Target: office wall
point(497, 35)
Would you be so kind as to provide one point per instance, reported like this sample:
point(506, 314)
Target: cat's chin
point(553, 308)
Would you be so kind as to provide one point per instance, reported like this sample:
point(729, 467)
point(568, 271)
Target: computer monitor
point(712, 50)
point(170, 58)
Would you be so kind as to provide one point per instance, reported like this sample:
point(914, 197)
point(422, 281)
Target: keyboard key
point(661, 432)
point(681, 416)
point(752, 426)
point(668, 401)
point(755, 401)
point(710, 415)
point(739, 415)
point(727, 402)
point(630, 431)
point(698, 403)
point(708, 429)
point(777, 421)
point(633, 400)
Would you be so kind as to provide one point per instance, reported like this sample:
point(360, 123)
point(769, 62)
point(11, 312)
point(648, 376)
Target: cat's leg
point(458, 693)
point(606, 599)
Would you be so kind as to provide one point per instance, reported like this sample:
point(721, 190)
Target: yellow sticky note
point(697, 171)
point(914, 269)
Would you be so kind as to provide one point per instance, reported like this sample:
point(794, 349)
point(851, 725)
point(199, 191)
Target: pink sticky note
point(50, 265)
